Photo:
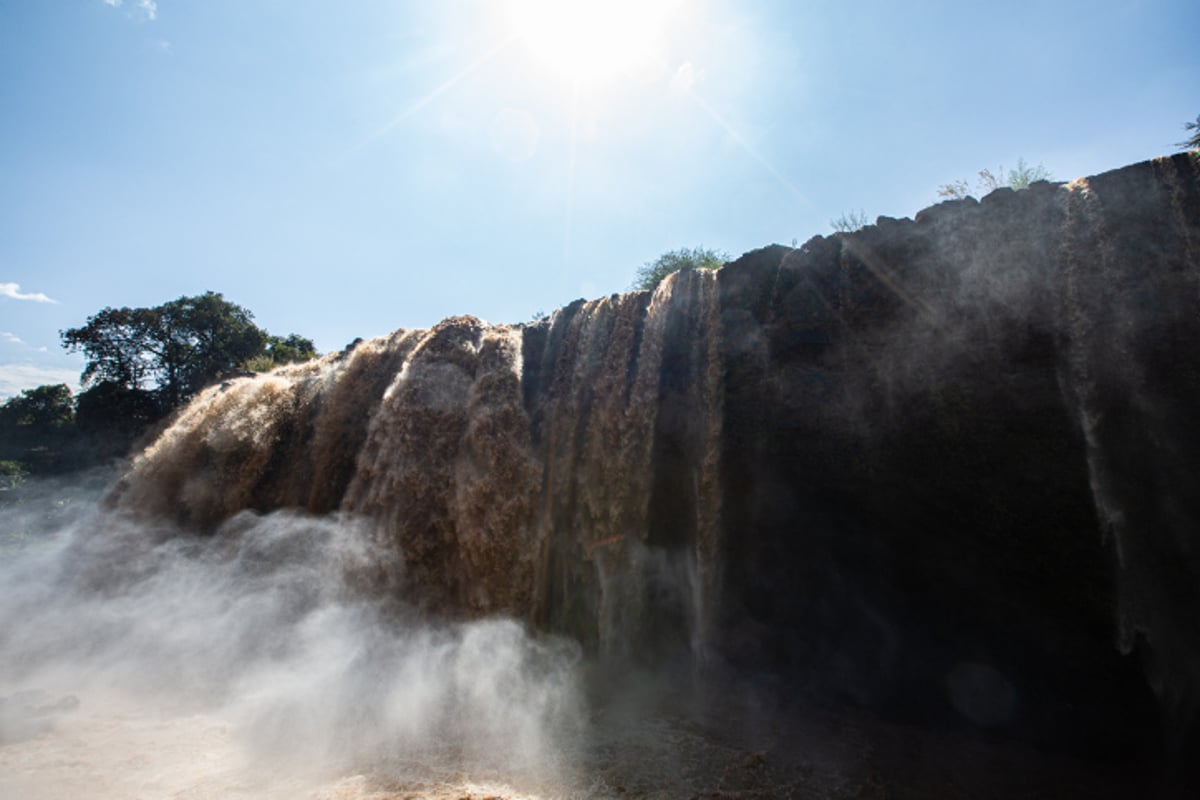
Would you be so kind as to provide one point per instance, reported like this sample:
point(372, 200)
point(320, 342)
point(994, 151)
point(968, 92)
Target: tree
point(47, 407)
point(290, 349)
point(114, 415)
point(1192, 143)
point(12, 475)
point(1019, 178)
point(850, 222)
point(37, 428)
point(174, 349)
point(280, 350)
point(198, 340)
point(115, 341)
point(650, 274)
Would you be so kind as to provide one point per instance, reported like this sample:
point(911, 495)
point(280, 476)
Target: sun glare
point(593, 41)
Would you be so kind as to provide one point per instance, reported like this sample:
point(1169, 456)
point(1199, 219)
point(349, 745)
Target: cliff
point(947, 468)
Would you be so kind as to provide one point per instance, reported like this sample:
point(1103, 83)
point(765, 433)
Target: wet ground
point(67, 747)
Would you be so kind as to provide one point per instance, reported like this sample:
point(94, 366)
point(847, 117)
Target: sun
point(593, 41)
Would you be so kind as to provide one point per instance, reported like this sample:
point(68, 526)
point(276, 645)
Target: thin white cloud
point(13, 290)
point(12, 338)
point(16, 378)
point(684, 78)
point(148, 9)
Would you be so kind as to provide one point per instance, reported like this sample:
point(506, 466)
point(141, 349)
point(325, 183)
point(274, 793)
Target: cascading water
point(531, 471)
point(940, 471)
point(446, 474)
point(1131, 287)
point(626, 410)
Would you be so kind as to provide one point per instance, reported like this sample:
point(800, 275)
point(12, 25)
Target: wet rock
point(944, 469)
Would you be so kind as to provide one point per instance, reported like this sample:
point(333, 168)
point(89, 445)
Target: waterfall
point(548, 471)
point(959, 445)
point(1131, 288)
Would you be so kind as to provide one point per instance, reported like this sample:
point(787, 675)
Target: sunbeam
point(741, 142)
point(436, 92)
point(569, 211)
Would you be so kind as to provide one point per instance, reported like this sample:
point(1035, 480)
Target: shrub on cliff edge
point(652, 273)
point(1194, 142)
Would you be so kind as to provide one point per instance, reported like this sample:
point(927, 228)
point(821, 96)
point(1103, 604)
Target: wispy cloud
point(12, 338)
point(684, 78)
point(146, 8)
point(16, 378)
point(13, 290)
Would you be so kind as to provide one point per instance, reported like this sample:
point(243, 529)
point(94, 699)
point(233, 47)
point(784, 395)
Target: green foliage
point(260, 363)
point(1024, 175)
point(175, 349)
point(1193, 141)
point(200, 340)
point(280, 350)
point(12, 475)
point(43, 407)
point(115, 341)
point(650, 274)
point(115, 414)
point(849, 222)
point(290, 349)
point(1019, 178)
point(141, 363)
point(37, 429)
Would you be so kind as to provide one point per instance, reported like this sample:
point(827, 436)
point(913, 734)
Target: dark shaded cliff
point(945, 468)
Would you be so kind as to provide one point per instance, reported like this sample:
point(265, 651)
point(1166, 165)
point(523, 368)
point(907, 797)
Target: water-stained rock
point(945, 468)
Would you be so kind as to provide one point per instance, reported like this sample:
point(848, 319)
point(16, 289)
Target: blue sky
point(346, 169)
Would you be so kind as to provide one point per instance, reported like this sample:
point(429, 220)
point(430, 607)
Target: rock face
point(947, 468)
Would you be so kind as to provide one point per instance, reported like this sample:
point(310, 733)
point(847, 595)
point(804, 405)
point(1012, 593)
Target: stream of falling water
point(518, 470)
point(375, 575)
point(1131, 377)
point(260, 659)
